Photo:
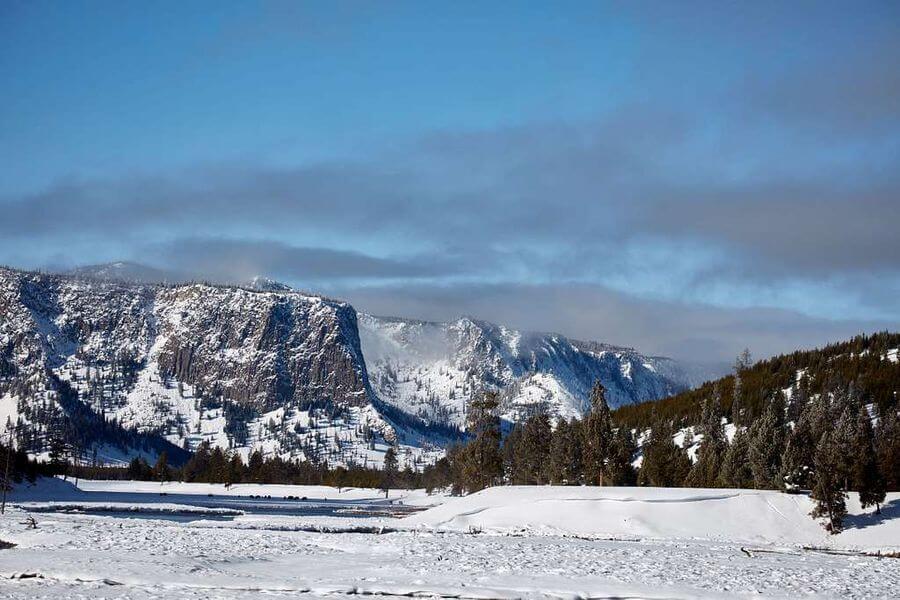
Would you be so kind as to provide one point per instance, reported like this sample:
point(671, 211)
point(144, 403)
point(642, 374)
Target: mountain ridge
point(273, 369)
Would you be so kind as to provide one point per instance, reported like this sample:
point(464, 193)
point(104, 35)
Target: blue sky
point(688, 178)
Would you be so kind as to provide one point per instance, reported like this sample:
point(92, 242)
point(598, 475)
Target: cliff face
point(258, 348)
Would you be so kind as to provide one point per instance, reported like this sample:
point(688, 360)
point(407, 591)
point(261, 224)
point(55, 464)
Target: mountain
point(97, 361)
point(433, 369)
point(186, 363)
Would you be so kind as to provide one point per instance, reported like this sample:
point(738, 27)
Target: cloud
point(238, 260)
point(692, 332)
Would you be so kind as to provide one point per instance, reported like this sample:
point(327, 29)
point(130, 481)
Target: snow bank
point(745, 516)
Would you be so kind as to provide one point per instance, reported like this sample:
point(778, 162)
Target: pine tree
point(255, 466)
point(483, 465)
point(619, 467)
point(735, 472)
point(888, 447)
point(597, 440)
point(713, 446)
point(797, 462)
point(843, 432)
point(513, 468)
point(196, 468)
point(235, 469)
point(866, 477)
point(743, 361)
point(389, 474)
point(161, 470)
point(664, 463)
point(534, 449)
point(565, 453)
point(556, 463)
point(829, 497)
point(767, 445)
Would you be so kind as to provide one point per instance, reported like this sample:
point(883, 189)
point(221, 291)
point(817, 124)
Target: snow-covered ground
point(725, 515)
point(534, 542)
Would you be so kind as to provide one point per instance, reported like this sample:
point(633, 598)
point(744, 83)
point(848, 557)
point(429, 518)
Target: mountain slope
point(870, 362)
point(433, 369)
point(278, 371)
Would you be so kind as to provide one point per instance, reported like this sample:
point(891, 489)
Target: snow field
point(740, 516)
point(536, 543)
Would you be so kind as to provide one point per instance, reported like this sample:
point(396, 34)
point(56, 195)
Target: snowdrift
point(745, 516)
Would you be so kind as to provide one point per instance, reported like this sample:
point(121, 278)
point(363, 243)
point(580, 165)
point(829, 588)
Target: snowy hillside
point(433, 369)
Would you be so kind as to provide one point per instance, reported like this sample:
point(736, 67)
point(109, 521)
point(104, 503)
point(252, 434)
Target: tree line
point(215, 465)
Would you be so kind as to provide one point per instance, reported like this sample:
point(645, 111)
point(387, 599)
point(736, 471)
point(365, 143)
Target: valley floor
point(179, 547)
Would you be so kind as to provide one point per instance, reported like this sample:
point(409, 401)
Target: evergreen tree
point(797, 462)
point(483, 465)
point(534, 449)
point(235, 469)
point(513, 468)
point(161, 471)
point(735, 471)
point(743, 361)
point(767, 445)
point(867, 480)
point(255, 466)
point(389, 475)
point(829, 497)
point(713, 446)
point(619, 467)
point(597, 440)
point(845, 410)
point(565, 453)
point(217, 470)
point(664, 463)
point(888, 447)
point(197, 467)
point(139, 470)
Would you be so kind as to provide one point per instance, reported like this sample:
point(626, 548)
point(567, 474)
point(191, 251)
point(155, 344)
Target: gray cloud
point(686, 331)
point(237, 260)
point(591, 186)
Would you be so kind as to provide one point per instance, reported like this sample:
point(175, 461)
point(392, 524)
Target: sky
point(686, 178)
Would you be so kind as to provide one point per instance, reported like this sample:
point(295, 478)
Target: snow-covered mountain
point(433, 369)
point(106, 363)
point(281, 371)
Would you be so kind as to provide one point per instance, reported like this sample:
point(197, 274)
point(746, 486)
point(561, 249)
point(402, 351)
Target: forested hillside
point(870, 362)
